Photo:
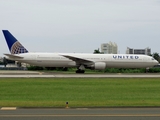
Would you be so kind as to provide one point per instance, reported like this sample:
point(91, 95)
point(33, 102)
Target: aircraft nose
point(156, 62)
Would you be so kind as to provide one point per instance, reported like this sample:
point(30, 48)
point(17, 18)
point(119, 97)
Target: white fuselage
point(111, 60)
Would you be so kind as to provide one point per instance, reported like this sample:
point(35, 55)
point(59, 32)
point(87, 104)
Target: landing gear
point(81, 69)
point(147, 69)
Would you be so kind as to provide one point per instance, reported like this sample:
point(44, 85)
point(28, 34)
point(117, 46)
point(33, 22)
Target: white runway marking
point(8, 108)
point(83, 76)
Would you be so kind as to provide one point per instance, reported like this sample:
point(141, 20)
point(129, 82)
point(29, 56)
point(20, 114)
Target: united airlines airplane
point(81, 61)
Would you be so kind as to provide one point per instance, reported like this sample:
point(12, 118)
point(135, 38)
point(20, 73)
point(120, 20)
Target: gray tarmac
point(35, 74)
point(81, 113)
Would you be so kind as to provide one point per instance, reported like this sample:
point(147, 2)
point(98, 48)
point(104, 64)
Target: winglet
point(14, 45)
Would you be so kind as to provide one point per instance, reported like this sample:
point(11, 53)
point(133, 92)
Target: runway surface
point(32, 74)
point(81, 114)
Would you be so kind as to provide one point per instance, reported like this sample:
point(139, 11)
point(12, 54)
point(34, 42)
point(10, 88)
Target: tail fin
point(14, 45)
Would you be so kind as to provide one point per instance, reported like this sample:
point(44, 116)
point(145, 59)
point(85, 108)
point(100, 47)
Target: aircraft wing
point(78, 60)
point(13, 56)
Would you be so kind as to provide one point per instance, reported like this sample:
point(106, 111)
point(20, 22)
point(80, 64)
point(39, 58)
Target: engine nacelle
point(99, 66)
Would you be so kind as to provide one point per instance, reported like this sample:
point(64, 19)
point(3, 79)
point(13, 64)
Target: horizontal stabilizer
point(13, 56)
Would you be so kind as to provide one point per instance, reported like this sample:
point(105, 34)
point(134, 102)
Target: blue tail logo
point(14, 45)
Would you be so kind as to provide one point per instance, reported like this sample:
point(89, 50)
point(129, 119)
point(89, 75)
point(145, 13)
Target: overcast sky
point(81, 26)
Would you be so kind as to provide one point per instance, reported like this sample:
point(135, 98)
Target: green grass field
point(79, 92)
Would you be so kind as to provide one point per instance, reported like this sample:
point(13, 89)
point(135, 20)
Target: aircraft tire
point(80, 71)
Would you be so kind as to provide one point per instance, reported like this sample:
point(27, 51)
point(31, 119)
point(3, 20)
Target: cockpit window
point(153, 59)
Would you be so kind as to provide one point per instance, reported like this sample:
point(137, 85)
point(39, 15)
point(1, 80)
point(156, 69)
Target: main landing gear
point(81, 69)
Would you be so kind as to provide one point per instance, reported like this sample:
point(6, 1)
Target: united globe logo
point(17, 48)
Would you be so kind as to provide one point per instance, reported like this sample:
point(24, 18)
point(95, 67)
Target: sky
point(81, 26)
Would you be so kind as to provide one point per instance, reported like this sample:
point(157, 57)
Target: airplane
point(80, 60)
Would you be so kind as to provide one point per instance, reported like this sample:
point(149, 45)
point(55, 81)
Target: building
point(109, 48)
point(146, 51)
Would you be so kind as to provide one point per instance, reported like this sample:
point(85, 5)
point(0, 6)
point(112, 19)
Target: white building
point(146, 51)
point(109, 48)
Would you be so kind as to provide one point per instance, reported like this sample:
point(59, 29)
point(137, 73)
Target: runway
point(35, 74)
point(81, 113)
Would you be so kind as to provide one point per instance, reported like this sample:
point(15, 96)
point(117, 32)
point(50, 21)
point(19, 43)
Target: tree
point(96, 51)
point(156, 56)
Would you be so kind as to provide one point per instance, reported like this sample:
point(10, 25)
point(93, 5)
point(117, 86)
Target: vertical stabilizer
point(14, 45)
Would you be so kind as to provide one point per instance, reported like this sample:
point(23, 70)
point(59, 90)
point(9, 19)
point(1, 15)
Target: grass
point(79, 92)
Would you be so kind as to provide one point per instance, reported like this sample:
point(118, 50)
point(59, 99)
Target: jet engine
point(99, 66)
